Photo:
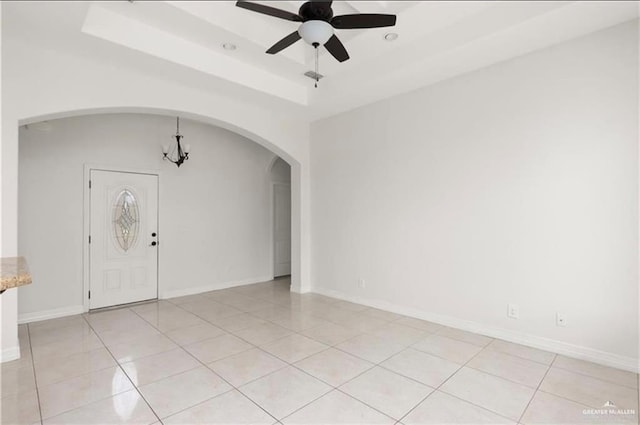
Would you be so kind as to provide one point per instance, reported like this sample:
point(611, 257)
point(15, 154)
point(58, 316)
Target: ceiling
point(437, 40)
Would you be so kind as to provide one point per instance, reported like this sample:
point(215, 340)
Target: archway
point(280, 179)
point(213, 214)
point(297, 284)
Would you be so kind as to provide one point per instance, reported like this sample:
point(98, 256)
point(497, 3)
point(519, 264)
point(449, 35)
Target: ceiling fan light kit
point(318, 24)
point(315, 32)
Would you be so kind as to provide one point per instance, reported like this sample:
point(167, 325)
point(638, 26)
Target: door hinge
point(89, 294)
point(89, 184)
point(89, 238)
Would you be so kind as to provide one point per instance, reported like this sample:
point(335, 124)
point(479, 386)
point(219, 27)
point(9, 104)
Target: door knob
point(153, 234)
point(154, 243)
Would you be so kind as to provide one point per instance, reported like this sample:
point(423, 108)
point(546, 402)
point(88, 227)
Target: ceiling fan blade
point(336, 48)
point(284, 43)
point(363, 20)
point(268, 10)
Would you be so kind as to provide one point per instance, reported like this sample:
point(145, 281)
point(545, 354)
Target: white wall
point(9, 346)
point(214, 210)
point(512, 184)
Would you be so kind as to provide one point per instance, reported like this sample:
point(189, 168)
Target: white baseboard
point(570, 350)
point(299, 290)
point(79, 309)
point(173, 293)
point(8, 354)
point(50, 314)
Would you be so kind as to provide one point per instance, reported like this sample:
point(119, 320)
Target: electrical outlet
point(513, 311)
point(561, 319)
point(361, 283)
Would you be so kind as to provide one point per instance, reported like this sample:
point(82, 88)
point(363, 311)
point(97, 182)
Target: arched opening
point(280, 178)
point(177, 179)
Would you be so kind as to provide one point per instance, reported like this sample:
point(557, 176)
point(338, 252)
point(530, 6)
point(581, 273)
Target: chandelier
point(176, 153)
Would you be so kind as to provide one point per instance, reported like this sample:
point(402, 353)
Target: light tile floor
point(259, 354)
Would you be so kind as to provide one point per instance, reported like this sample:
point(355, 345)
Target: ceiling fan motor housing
point(312, 10)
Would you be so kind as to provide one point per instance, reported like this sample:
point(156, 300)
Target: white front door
point(123, 248)
point(282, 229)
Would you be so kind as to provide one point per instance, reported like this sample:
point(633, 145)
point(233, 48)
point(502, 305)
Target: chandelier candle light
point(179, 154)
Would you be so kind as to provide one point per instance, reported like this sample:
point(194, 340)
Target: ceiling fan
point(318, 24)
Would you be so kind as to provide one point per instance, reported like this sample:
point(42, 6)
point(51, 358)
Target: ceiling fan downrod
point(316, 45)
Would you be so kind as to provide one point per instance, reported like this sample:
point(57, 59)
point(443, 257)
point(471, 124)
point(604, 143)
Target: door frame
point(273, 225)
point(86, 221)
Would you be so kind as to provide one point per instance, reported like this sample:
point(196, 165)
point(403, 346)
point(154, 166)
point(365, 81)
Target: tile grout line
point(537, 389)
point(84, 405)
point(35, 375)
point(226, 332)
point(488, 347)
point(593, 377)
point(233, 387)
point(387, 358)
point(436, 332)
point(293, 365)
point(586, 406)
point(502, 377)
point(378, 364)
point(464, 365)
point(548, 366)
point(123, 308)
point(157, 354)
point(211, 323)
point(570, 399)
point(371, 407)
point(123, 371)
point(294, 332)
point(374, 365)
point(61, 358)
point(447, 380)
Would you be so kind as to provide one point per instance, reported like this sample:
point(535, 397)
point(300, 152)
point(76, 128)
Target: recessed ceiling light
point(229, 46)
point(391, 36)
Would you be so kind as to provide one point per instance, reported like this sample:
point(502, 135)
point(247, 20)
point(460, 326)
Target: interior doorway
point(281, 202)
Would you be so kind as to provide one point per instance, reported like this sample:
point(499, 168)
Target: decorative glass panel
point(126, 219)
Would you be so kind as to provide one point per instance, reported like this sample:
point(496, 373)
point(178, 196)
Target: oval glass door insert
point(126, 219)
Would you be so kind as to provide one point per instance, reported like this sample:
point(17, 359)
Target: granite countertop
point(13, 273)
